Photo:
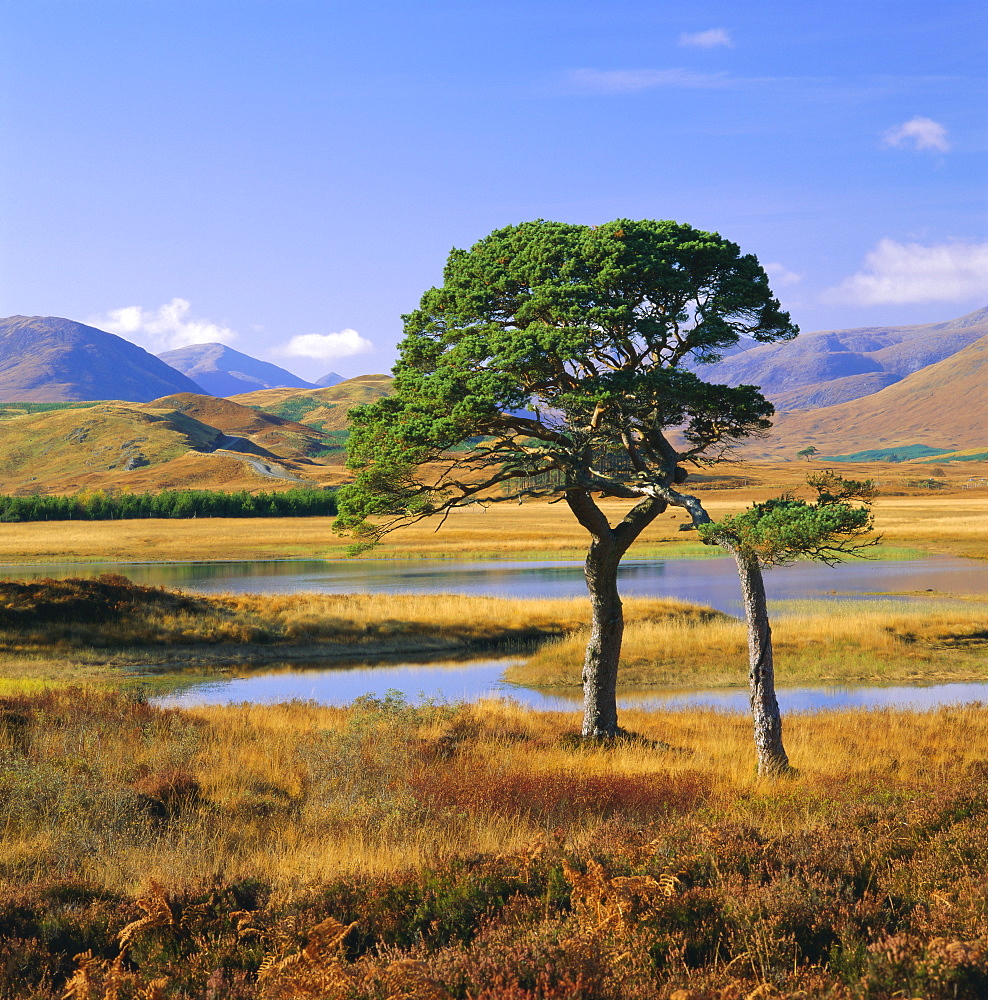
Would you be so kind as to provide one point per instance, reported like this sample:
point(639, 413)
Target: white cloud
point(919, 133)
point(162, 329)
point(327, 346)
point(706, 39)
point(896, 273)
point(781, 275)
point(624, 80)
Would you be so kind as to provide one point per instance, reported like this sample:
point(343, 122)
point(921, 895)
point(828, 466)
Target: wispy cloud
point(900, 273)
point(617, 81)
point(918, 133)
point(326, 346)
point(781, 275)
point(709, 39)
point(162, 329)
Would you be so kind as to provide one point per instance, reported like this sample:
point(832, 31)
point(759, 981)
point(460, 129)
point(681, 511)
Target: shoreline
point(892, 553)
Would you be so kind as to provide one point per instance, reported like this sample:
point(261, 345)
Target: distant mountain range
point(222, 371)
point(828, 367)
point(894, 389)
point(46, 359)
point(944, 405)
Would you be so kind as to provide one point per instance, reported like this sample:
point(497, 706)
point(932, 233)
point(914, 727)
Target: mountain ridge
point(223, 371)
point(46, 359)
point(827, 367)
point(944, 405)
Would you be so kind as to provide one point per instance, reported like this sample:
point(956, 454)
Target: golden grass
point(91, 630)
point(879, 643)
point(508, 531)
point(228, 851)
point(954, 525)
point(296, 793)
point(955, 522)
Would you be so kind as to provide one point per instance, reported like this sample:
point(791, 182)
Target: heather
point(385, 850)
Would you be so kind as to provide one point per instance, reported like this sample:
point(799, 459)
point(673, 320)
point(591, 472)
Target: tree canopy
point(785, 529)
point(559, 357)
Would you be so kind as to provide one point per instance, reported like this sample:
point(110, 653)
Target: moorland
point(483, 851)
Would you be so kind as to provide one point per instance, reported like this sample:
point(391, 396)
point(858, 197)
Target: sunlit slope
point(943, 405)
point(829, 367)
point(185, 440)
point(321, 408)
point(265, 430)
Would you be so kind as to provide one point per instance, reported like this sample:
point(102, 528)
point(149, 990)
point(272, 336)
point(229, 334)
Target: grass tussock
point(113, 615)
point(883, 642)
point(387, 850)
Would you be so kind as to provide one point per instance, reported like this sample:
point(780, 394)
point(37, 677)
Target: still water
point(712, 582)
point(709, 581)
point(470, 681)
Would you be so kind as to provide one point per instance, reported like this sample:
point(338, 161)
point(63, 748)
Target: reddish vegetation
point(667, 888)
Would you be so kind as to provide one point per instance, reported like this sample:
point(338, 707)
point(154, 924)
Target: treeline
point(96, 505)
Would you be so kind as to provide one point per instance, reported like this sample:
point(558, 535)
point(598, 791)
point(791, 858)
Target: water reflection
point(704, 581)
point(478, 679)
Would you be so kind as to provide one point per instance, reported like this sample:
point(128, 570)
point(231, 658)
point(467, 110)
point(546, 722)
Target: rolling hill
point(180, 440)
point(944, 405)
point(326, 408)
point(48, 359)
point(222, 371)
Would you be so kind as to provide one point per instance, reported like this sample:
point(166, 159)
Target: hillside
point(944, 405)
point(828, 367)
point(326, 408)
point(48, 359)
point(184, 440)
point(222, 371)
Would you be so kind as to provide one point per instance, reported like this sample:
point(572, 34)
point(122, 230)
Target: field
point(56, 632)
point(481, 852)
point(952, 521)
point(927, 642)
point(384, 851)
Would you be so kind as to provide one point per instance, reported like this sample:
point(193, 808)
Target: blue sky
point(288, 176)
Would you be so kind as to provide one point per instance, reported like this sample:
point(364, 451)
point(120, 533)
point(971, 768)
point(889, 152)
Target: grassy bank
point(383, 851)
point(814, 642)
point(99, 631)
point(79, 629)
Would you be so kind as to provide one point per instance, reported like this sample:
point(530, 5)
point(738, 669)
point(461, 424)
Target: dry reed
point(814, 642)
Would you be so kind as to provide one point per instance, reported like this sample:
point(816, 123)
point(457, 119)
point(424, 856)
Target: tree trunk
point(772, 757)
point(607, 546)
point(600, 665)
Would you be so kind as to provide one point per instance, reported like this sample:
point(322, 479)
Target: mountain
point(331, 378)
point(944, 405)
point(222, 371)
point(261, 440)
point(46, 359)
point(829, 367)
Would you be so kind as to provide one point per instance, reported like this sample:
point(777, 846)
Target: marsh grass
point(443, 851)
point(104, 625)
point(814, 642)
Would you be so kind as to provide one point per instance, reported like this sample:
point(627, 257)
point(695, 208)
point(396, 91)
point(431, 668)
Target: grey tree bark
point(603, 656)
point(772, 757)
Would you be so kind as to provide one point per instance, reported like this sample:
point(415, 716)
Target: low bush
point(442, 851)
